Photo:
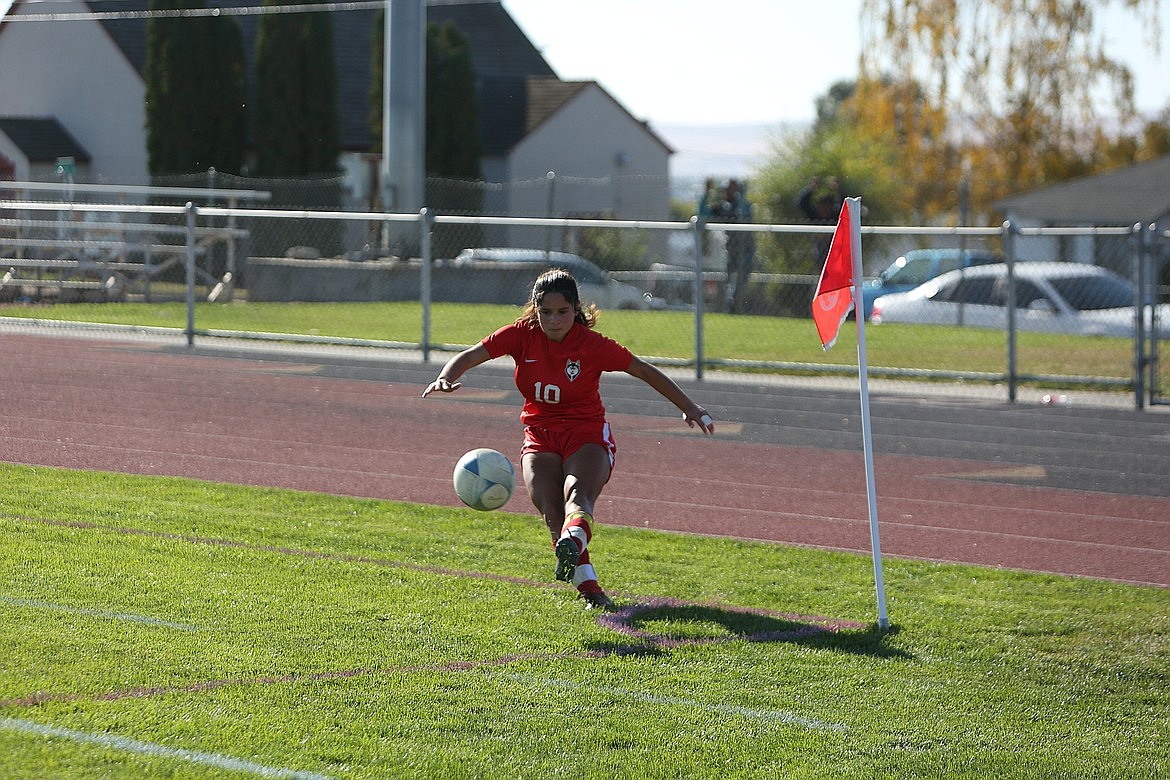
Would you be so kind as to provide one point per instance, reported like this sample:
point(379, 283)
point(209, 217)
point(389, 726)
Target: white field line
point(36, 604)
point(778, 716)
point(156, 750)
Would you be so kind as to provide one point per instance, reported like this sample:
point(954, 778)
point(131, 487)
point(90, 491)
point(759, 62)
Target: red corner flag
point(834, 297)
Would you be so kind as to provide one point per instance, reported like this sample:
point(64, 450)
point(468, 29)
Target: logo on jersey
point(573, 369)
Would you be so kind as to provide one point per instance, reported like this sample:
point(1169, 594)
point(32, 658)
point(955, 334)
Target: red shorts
point(565, 443)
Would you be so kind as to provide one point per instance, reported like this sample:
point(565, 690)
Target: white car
point(1050, 297)
point(594, 284)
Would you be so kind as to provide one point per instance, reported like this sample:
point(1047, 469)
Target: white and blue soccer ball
point(484, 479)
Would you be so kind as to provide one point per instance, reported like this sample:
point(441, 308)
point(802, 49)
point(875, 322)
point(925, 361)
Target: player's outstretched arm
point(692, 413)
point(455, 368)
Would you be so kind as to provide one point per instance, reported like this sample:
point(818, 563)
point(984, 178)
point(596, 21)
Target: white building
point(83, 80)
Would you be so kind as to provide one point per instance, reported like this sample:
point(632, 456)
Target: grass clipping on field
point(182, 628)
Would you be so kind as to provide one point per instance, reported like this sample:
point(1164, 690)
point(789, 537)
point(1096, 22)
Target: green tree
point(1156, 135)
point(453, 144)
point(453, 149)
point(864, 166)
point(195, 106)
point(829, 104)
point(297, 127)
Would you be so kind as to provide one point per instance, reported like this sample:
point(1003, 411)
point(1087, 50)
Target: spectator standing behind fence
point(821, 203)
point(708, 199)
point(730, 205)
point(705, 209)
point(741, 246)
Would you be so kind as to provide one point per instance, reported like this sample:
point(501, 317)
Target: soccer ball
point(484, 479)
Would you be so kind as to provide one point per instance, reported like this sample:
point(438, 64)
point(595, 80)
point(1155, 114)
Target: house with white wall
point(582, 116)
point(72, 76)
point(86, 76)
point(39, 149)
point(616, 167)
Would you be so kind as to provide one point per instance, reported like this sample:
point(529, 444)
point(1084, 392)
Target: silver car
point(917, 267)
point(1050, 297)
point(594, 284)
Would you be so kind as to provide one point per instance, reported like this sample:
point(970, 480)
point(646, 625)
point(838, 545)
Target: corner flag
point(834, 297)
point(840, 280)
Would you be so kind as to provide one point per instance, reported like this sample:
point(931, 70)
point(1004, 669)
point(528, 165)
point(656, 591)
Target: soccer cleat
point(596, 599)
point(568, 553)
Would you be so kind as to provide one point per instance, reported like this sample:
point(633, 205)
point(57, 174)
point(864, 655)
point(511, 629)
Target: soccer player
point(568, 452)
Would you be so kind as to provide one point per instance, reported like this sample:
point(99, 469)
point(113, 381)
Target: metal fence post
point(232, 273)
point(1137, 273)
point(1009, 232)
point(1157, 258)
point(190, 207)
point(426, 224)
point(551, 178)
point(698, 226)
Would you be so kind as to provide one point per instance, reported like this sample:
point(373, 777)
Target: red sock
point(584, 576)
point(577, 527)
point(589, 585)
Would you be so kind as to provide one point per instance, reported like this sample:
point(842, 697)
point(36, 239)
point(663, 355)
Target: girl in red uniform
point(568, 450)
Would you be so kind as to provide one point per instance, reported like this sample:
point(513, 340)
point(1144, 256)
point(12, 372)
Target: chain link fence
point(708, 296)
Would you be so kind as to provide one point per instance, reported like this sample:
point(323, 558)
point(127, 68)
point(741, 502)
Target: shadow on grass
point(657, 625)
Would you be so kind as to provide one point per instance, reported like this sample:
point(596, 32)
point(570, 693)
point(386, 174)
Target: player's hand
point(699, 415)
point(441, 385)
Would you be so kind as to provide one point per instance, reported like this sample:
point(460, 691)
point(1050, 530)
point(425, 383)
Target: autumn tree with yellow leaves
point(987, 97)
point(1021, 93)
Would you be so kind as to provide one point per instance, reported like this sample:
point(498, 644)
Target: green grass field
point(667, 334)
point(181, 629)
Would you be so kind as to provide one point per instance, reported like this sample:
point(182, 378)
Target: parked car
point(595, 284)
point(673, 286)
point(918, 266)
point(1050, 297)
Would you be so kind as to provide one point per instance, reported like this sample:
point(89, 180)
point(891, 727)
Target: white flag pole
point(854, 206)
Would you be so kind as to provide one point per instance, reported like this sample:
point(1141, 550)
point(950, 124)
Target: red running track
point(146, 408)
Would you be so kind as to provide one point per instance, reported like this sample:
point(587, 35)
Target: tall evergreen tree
point(297, 127)
point(453, 145)
point(225, 78)
point(452, 133)
point(195, 106)
point(452, 114)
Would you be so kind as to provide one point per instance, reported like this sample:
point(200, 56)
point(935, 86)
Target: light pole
point(403, 119)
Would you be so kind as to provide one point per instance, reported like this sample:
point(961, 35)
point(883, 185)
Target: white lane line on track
point(159, 751)
point(37, 604)
point(778, 716)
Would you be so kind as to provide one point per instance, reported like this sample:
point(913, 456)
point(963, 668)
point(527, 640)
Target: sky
point(719, 80)
point(746, 61)
point(685, 62)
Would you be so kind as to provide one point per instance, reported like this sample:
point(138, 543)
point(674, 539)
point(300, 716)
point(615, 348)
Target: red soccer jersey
point(560, 382)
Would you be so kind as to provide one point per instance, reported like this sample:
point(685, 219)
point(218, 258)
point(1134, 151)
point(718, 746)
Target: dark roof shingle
point(1124, 196)
point(42, 139)
point(545, 96)
point(501, 54)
